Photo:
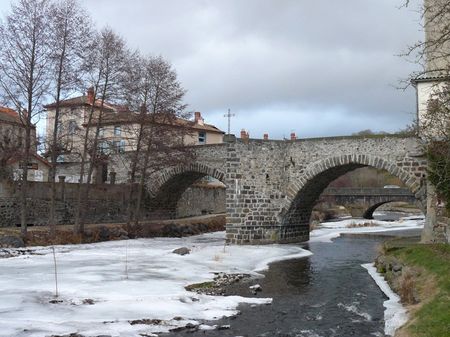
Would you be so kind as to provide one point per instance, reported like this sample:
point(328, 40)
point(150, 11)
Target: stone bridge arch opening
point(169, 188)
point(369, 212)
point(363, 201)
point(303, 195)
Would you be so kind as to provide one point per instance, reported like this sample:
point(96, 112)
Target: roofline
point(36, 156)
point(16, 123)
point(65, 103)
point(196, 127)
point(430, 79)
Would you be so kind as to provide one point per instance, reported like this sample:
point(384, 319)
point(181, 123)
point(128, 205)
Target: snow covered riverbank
point(154, 288)
point(105, 286)
point(395, 314)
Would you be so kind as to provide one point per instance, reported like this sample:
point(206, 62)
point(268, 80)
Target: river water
point(327, 294)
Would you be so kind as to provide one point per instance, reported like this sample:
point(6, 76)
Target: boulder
point(11, 241)
point(182, 251)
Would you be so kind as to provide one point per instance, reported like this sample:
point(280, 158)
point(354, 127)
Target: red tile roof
point(128, 117)
point(121, 114)
point(33, 155)
point(7, 114)
point(10, 116)
point(80, 101)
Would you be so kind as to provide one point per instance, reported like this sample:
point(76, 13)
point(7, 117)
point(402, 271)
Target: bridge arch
point(368, 213)
point(168, 186)
point(303, 193)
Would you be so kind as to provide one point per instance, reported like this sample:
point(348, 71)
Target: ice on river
point(331, 230)
point(100, 298)
point(154, 288)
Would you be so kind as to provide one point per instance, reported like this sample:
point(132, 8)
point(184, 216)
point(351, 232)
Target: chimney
point(266, 136)
point(198, 118)
point(293, 136)
point(243, 134)
point(90, 95)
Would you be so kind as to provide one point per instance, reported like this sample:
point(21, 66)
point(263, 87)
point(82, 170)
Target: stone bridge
point(362, 202)
point(273, 185)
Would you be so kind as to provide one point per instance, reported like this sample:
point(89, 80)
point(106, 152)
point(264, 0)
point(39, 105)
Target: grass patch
point(431, 318)
point(203, 285)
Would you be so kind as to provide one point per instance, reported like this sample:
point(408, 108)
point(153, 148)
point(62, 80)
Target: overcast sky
point(319, 68)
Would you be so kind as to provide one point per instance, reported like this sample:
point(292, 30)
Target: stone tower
point(437, 56)
point(437, 40)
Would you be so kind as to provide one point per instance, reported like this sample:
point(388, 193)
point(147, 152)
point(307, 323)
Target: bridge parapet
point(350, 191)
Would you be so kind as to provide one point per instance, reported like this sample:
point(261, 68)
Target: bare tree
point(71, 30)
point(24, 70)
point(162, 124)
point(105, 64)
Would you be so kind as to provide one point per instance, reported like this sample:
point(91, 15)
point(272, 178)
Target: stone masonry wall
point(107, 203)
point(273, 185)
point(200, 200)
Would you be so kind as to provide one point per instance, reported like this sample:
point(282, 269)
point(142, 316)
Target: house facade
point(12, 142)
point(118, 130)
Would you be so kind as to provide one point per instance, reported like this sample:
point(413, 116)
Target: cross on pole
point(229, 115)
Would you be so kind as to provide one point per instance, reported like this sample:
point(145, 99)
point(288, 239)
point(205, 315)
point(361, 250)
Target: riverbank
point(420, 275)
point(39, 235)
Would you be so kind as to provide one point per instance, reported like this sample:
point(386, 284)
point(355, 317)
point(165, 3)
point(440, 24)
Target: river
point(327, 294)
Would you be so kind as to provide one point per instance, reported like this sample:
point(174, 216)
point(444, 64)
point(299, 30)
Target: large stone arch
point(165, 188)
point(303, 193)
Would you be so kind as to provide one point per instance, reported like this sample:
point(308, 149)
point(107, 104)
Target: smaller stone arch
point(368, 213)
point(165, 188)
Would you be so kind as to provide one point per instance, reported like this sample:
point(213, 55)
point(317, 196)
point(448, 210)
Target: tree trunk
point(54, 147)
point(78, 227)
point(133, 172)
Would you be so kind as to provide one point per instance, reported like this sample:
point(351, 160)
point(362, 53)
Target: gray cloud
point(317, 67)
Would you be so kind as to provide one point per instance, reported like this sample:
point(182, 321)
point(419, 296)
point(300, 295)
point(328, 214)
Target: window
point(116, 145)
point(117, 130)
point(122, 146)
point(202, 137)
point(72, 127)
point(119, 146)
point(101, 131)
point(103, 147)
